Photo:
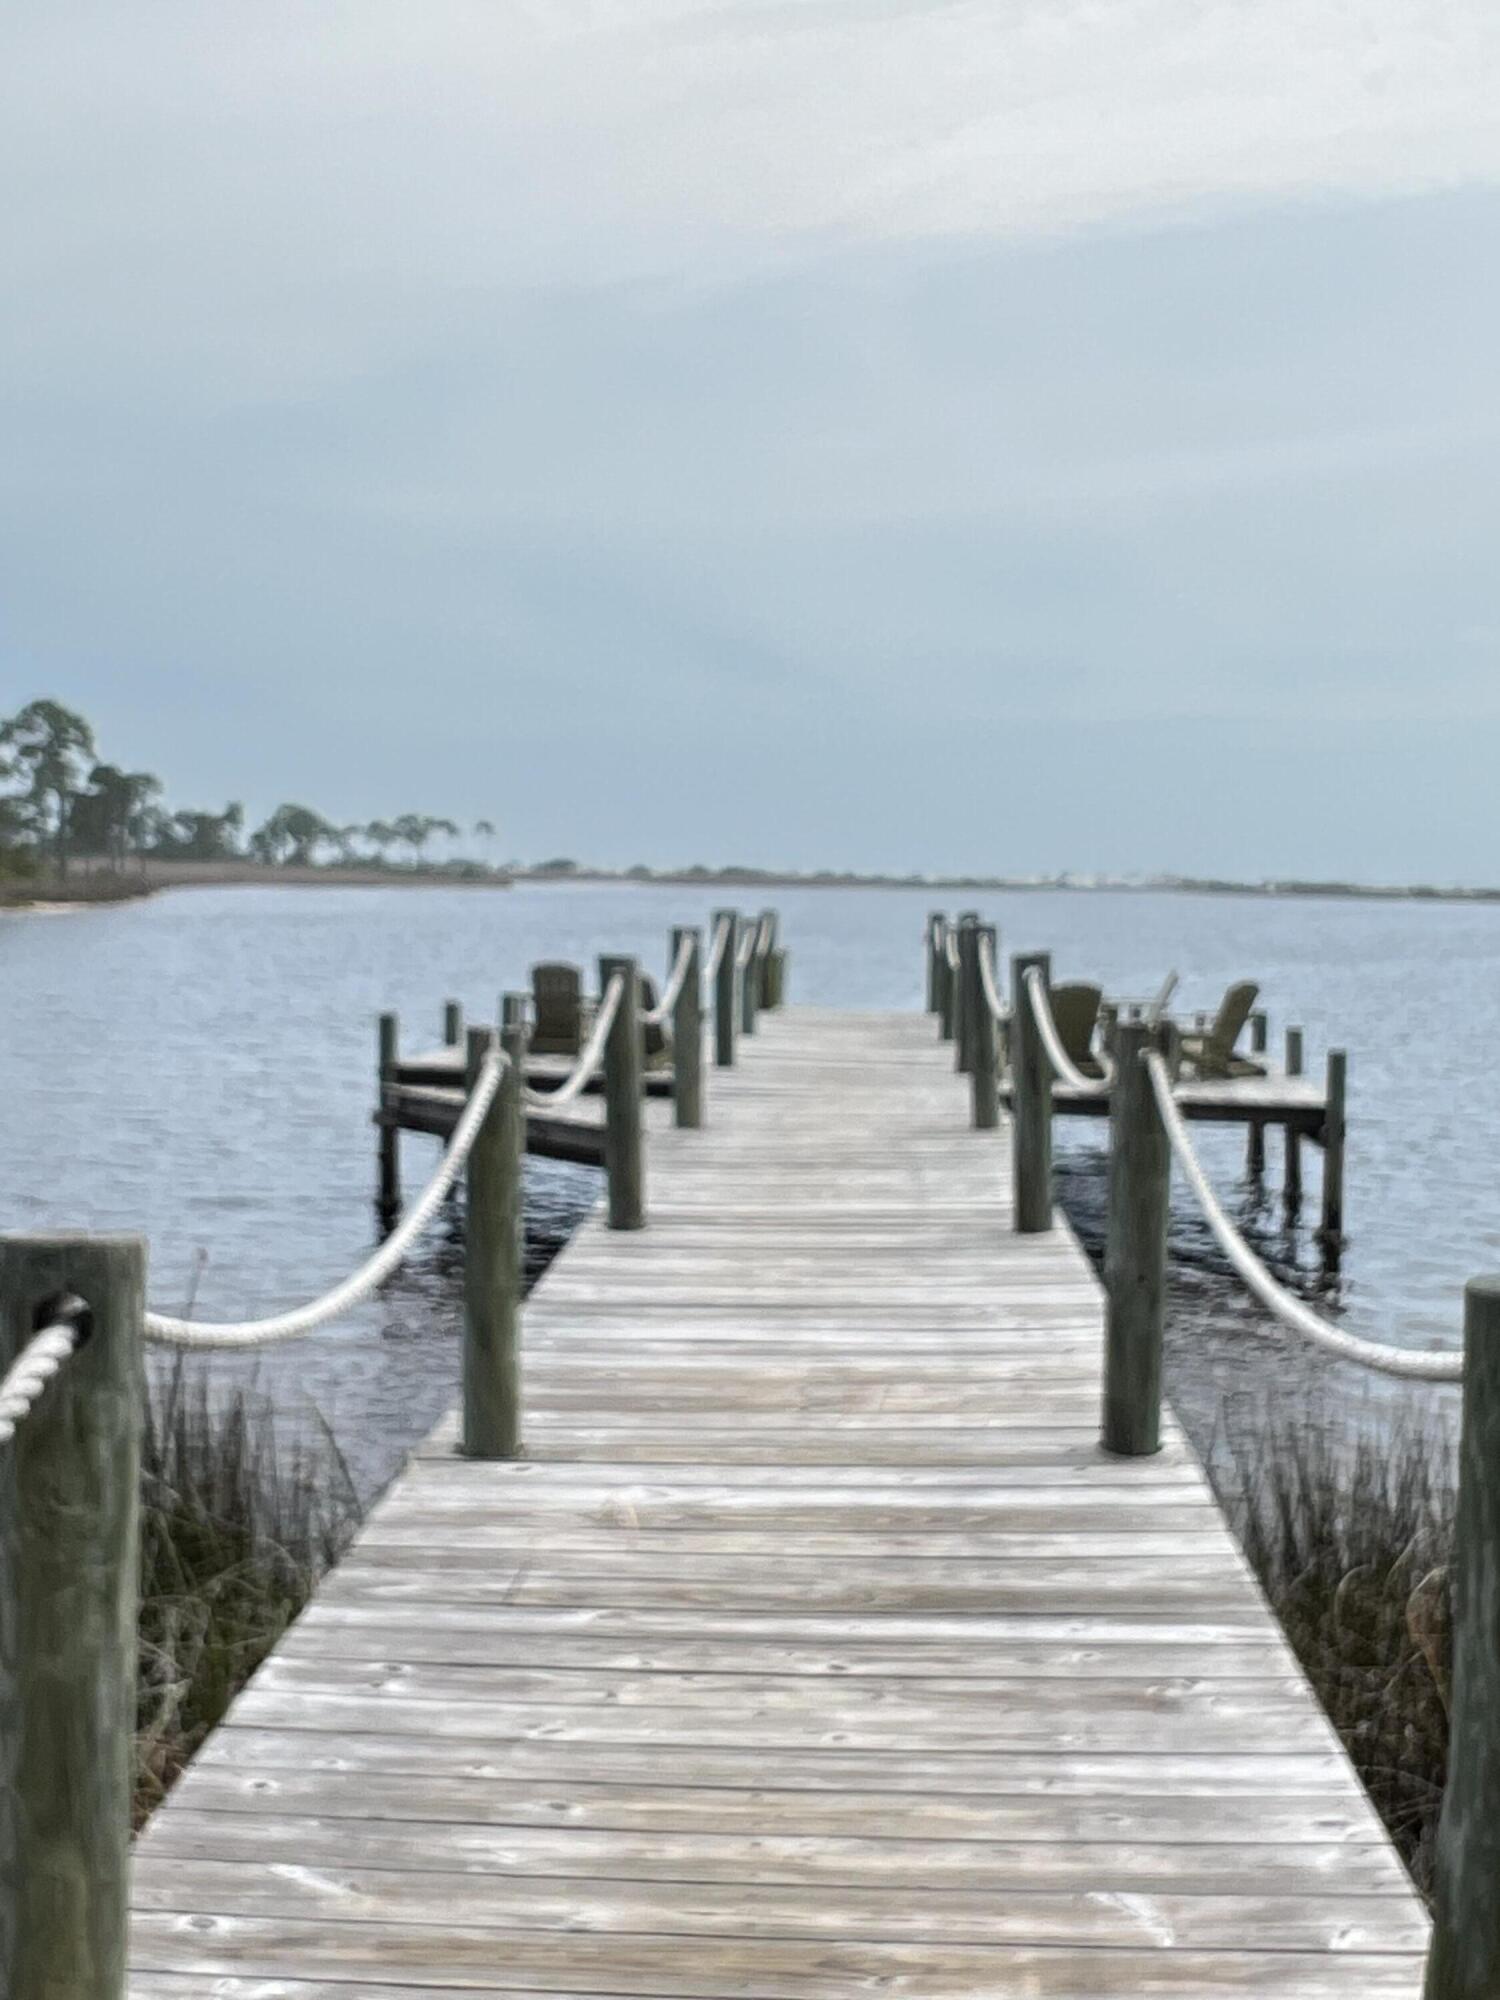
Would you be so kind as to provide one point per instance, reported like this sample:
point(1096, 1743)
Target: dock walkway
point(815, 1650)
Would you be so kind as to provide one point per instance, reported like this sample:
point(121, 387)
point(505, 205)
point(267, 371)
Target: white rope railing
point(372, 1273)
point(664, 1009)
point(1426, 1365)
point(1067, 1070)
point(31, 1371)
point(590, 1056)
point(987, 982)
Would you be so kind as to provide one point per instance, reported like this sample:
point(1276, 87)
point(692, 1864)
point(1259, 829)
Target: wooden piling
point(947, 993)
point(453, 1023)
point(1135, 1255)
point(986, 1066)
point(493, 1256)
point(1255, 1137)
point(1463, 1962)
point(388, 1193)
point(962, 993)
point(725, 1022)
point(624, 1152)
point(1292, 1182)
point(1334, 1129)
point(936, 926)
point(968, 987)
point(1031, 1103)
point(749, 982)
point(687, 1035)
point(765, 948)
point(69, 1557)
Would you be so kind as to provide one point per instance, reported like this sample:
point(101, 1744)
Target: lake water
point(199, 1067)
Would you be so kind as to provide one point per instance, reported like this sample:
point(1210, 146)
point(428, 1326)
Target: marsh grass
point(1350, 1537)
point(239, 1520)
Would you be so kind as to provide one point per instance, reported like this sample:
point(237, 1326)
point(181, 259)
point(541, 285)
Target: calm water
point(199, 1067)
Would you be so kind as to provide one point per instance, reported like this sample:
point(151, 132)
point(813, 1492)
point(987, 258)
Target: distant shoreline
point(91, 886)
point(1179, 885)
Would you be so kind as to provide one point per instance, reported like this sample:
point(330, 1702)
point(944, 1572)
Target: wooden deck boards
point(815, 1649)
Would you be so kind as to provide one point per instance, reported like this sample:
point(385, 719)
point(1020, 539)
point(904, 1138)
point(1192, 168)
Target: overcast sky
point(872, 433)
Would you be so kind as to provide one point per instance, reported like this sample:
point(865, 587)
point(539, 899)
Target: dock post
point(963, 1054)
point(968, 987)
point(1255, 1138)
point(1463, 1962)
point(1031, 1103)
point(936, 924)
point(724, 984)
point(986, 1069)
point(453, 1024)
point(687, 1035)
point(1135, 1253)
point(749, 981)
point(388, 1195)
point(493, 1256)
point(947, 986)
point(624, 1155)
point(69, 1557)
point(1292, 1184)
point(765, 947)
point(1331, 1233)
point(776, 977)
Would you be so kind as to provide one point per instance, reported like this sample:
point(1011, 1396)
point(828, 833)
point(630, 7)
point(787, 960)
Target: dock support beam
point(1292, 1183)
point(687, 1035)
point(724, 982)
point(1332, 1231)
point(1135, 1254)
point(1031, 1103)
point(624, 1154)
point(494, 1256)
point(986, 1067)
point(69, 1558)
point(1464, 1960)
point(388, 1193)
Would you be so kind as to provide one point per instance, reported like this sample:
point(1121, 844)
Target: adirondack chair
point(1212, 1052)
point(561, 1013)
point(1075, 1009)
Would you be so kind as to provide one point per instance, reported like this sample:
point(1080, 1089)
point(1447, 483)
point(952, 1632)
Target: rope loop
point(33, 1368)
point(1418, 1364)
point(717, 948)
point(167, 1332)
point(1067, 1070)
point(676, 980)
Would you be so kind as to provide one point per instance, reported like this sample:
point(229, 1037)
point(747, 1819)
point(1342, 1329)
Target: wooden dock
point(815, 1650)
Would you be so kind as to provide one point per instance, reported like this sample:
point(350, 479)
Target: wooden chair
point(1212, 1053)
point(1075, 1009)
point(558, 1005)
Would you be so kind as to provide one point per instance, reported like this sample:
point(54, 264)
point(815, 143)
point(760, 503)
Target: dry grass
point(238, 1523)
point(1350, 1539)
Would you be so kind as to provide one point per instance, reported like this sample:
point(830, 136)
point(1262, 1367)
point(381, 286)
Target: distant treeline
point(59, 801)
